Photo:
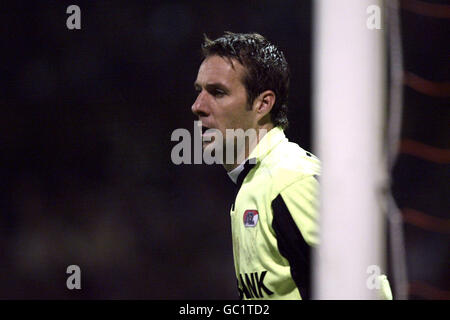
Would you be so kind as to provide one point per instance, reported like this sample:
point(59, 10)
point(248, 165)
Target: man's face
point(222, 97)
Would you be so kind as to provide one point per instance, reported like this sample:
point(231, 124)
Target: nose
point(200, 106)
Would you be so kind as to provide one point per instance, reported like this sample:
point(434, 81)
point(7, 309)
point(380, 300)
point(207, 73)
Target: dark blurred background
point(86, 118)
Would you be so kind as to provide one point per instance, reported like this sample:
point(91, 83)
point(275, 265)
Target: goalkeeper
point(243, 84)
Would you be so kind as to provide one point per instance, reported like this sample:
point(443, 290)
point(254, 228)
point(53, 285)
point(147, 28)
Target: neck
point(242, 153)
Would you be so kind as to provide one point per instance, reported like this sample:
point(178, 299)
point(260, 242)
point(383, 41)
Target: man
point(242, 86)
point(243, 83)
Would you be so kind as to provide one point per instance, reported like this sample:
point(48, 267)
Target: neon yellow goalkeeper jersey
point(274, 220)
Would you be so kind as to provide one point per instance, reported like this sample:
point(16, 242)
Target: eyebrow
point(214, 85)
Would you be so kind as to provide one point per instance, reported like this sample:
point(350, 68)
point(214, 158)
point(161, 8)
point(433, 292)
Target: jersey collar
point(262, 149)
point(234, 174)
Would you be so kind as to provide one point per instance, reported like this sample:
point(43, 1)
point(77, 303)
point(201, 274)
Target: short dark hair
point(266, 67)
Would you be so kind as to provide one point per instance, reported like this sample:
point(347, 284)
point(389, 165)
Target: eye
point(218, 93)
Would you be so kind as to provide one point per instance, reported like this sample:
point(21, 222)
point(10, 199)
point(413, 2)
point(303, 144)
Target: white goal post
point(348, 110)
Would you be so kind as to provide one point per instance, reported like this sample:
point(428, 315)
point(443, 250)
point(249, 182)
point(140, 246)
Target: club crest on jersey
point(250, 218)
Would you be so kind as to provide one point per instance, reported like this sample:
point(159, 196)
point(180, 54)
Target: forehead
point(216, 69)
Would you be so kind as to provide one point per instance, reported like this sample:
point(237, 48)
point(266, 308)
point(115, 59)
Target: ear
point(264, 103)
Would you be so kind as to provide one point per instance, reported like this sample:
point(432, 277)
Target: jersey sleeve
point(384, 293)
point(301, 199)
point(295, 227)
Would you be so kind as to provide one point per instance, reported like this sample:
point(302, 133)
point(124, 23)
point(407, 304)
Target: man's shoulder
point(288, 163)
